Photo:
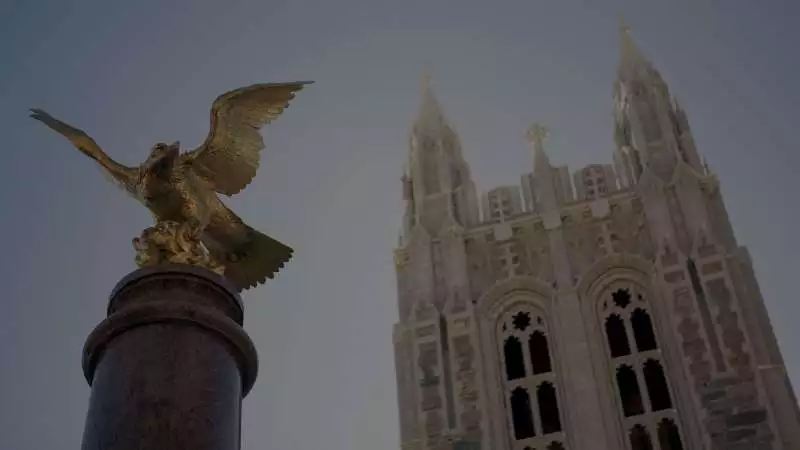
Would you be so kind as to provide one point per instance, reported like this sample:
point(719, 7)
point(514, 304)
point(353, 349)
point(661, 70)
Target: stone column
point(170, 364)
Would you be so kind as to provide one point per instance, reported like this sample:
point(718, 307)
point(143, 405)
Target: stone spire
point(430, 115)
point(632, 62)
point(648, 131)
point(439, 183)
point(628, 50)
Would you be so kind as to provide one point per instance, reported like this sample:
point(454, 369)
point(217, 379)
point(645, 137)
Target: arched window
point(515, 361)
point(668, 436)
point(636, 367)
point(640, 438)
point(643, 330)
point(530, 377)
point(656, 385)
point(521, 414)
point(540, 353)
point(629, 391)
point(548, 408)
point(617, 336)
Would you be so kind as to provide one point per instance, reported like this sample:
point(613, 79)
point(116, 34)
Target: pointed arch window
point(657, 387)
point(530, 381)
point(540, 353)
point(643, 330)
point(515, 361)
point(521, 413)
point(617, 336)
point(548, 408)
point(637, 368)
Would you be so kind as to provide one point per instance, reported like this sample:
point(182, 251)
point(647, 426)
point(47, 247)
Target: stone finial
point(628, 49)
point(624, 28)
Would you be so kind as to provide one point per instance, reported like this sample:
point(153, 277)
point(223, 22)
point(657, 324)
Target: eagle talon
point(193, 228)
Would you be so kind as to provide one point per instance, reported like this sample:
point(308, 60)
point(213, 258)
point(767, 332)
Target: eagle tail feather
point(254, 260)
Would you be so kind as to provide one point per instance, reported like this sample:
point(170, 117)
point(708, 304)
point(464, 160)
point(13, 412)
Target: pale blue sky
point(133, 73)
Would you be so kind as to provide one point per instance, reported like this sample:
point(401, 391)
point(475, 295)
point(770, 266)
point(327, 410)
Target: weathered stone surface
point(169, 365)
point(738, 435)
point(754, 417)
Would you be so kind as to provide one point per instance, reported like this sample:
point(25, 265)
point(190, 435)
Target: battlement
point(508, 202)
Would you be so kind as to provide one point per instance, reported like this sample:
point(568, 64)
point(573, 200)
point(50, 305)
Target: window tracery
point(637, 369)
point(530, 382)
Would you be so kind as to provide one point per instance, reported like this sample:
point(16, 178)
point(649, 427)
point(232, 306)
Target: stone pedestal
point(170, 364)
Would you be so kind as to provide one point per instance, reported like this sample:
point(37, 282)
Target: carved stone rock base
point(173, 242)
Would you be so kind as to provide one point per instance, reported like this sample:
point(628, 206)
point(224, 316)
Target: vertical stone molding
point(169, 365)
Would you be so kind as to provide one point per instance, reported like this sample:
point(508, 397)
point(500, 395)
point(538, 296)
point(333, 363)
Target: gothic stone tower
point(618, 313)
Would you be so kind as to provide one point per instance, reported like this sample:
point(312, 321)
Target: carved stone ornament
point(173, 242)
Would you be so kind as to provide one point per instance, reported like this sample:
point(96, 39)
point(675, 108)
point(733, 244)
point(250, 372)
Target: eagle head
point(162, 156)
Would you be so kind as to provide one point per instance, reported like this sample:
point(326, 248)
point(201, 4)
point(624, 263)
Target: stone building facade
point(618, 312)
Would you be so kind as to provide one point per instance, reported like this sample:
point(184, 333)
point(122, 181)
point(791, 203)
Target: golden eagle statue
point(192, 224)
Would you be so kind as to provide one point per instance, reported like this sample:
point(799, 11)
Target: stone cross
point(536, 134)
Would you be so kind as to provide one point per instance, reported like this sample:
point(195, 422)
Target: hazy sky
point(136, 72)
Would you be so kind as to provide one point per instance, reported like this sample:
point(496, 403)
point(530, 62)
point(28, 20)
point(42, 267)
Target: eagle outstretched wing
point(229, 157)
point(123, 176)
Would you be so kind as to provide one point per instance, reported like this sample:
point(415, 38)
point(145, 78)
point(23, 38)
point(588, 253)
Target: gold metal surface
point(173, 242)
point(193, 226)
